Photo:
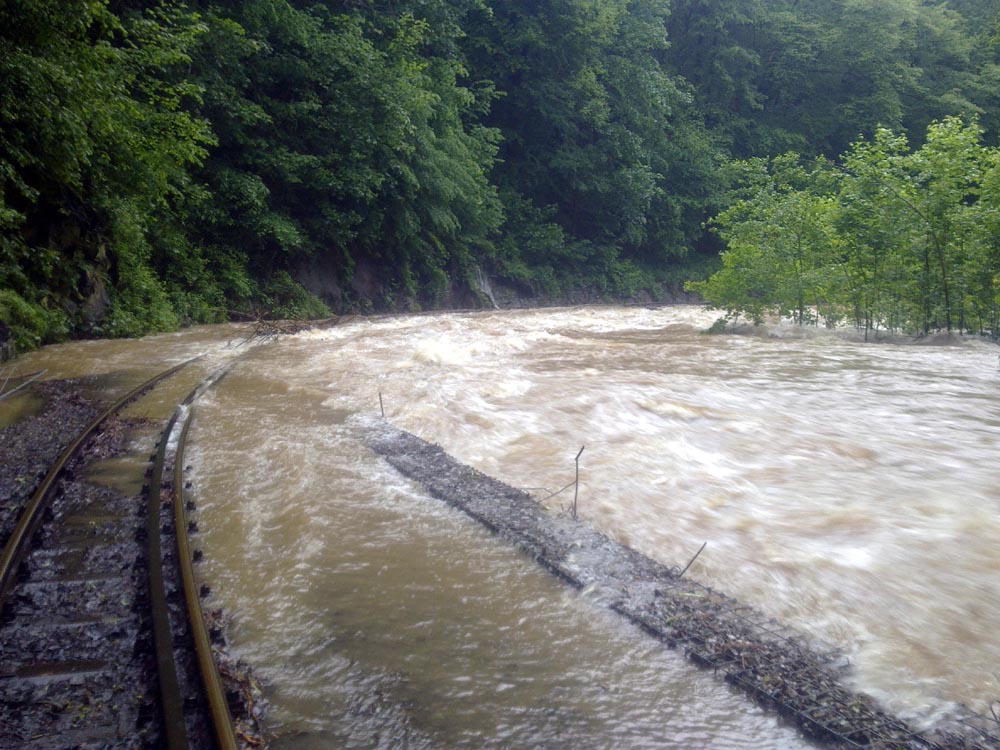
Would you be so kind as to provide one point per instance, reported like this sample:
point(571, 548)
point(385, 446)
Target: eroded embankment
point(776, 666)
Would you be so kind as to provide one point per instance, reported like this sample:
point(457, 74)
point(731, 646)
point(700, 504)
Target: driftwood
point(263, 329)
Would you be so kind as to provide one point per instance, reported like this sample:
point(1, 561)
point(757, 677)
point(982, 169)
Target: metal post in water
point(692, 560)
point(380, 406)
point(576, 488)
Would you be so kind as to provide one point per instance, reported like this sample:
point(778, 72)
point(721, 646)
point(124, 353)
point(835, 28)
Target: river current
point(851, 490)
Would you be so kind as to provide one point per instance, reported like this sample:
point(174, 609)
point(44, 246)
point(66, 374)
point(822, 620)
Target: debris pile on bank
point(779, 668)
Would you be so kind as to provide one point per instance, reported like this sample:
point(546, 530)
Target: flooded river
point(850, 489)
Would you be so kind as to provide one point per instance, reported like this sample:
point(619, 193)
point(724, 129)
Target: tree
point(928, 192)
point(781, 243)
point(96, 149)
point(813, 75)
point(602, 153)
point(902, 239)
point(345, 141)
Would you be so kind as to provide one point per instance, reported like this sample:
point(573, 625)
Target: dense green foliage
point(176, 161)
point(813, 75)
point(96, 154)
point(894, 239)
point(604, 166)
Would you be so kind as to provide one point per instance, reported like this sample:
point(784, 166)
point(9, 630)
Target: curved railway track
point(102, 638)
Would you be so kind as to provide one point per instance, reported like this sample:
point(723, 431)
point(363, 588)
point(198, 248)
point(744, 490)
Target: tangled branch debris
point(263, 329)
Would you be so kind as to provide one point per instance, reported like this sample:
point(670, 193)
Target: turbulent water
point(849, 489)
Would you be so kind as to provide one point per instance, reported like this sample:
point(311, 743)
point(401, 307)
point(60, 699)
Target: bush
point(286, 298)
point(31, 323)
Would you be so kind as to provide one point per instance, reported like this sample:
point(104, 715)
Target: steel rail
point(171, 698)
point(16, 547)
point(28, 380)
point(222, 720)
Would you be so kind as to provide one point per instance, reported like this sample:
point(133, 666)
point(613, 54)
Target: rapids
point(849, 489)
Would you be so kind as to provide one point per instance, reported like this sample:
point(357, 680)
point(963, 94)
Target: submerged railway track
point(102, 639)
point(103, 644)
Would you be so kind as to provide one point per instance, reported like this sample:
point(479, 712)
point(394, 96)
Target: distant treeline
point(172, 162)
point(890, 239)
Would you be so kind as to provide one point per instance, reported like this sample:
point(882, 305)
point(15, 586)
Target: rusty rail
point(171, 698)
point(222, 721)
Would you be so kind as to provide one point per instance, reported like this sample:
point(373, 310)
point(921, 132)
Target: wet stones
point(77, 666)
point(7, 350)
point(29, 446)
point(73, 631)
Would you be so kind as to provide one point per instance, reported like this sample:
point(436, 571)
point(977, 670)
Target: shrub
point(31, 324)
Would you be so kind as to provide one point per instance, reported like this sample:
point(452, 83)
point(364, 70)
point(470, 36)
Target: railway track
point(102, 639)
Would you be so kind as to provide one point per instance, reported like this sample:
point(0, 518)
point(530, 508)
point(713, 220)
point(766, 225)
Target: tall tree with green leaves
point(346, 145)
point(781, 243)
point(814, 75)
point(930, 191)
point(96, 148)
point(604, 163)
point(898, 238)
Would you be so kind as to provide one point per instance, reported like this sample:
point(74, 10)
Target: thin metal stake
point(576, 488)
point(692, 560)
point(380, 406)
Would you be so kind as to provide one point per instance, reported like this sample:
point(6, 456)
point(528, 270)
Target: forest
point(172, 162)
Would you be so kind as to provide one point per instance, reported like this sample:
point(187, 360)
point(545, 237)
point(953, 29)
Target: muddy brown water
point(849, 489)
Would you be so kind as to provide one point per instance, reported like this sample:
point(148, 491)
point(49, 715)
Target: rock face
point(517, 298)
point(6, 342)
point(369, 289)
point(97, 300)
